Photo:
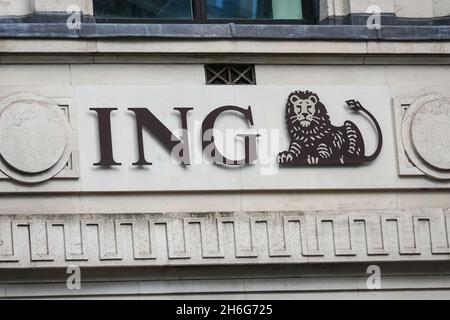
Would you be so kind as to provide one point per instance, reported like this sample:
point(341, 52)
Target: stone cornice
point(249, 49)
point(229, 31)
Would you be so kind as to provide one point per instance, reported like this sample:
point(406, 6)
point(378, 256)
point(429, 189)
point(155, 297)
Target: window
point(205, 11)
point(144, 9)
point(254, 9)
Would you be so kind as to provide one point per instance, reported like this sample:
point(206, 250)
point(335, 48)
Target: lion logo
point(315, 141)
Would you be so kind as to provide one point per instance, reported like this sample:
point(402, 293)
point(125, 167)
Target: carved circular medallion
point(431, 134)
point(34, 138)
point(426, 135)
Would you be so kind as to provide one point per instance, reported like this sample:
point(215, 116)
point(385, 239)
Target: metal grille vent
point(230, 74)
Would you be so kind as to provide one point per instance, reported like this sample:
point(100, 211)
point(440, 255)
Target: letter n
point(146, 119)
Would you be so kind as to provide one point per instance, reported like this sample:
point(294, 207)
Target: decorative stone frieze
point(223, 238)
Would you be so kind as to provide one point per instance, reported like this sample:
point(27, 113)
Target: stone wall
point(25, 7)
point(402, 8)
point(226, 243)
point(16, 7)
point(86, 6)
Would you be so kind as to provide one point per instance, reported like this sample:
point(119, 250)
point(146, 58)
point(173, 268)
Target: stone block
point(361, 6)
point(414, 8)
point(441, 8)
point(16, 7)
point(86, 6)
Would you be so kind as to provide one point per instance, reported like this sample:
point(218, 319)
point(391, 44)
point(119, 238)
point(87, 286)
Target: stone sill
point(224, 31)
point(195, 50)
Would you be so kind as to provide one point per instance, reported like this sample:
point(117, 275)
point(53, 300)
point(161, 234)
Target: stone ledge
point(126, 240)
point(248, 50)
point(224, 31)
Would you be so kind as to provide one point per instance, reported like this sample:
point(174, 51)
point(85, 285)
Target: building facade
point(225, 149)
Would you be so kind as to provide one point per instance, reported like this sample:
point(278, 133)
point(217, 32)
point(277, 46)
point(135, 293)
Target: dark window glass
point(254, 9)
point(143, 9)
